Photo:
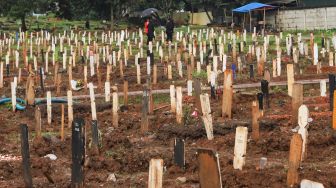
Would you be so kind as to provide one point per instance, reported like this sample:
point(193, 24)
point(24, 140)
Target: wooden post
point(334, 111)
point(170, 75)
point(38, 123)
point(227, 95)
point(30, 91)
point(25, 156)
point(294, 160)
point(62, 123)
point(323, 88)
point(49, 107)
point(179, 110)
point(290, 78)
point(209, 168)
point(125, 92)
point(198, 91)
point(144, 116)
point(99, 80)
point(138, 74)
point(107, 91)
point(189, 87)
point(240, 148)
point(58, 84)
point(297, 100)
point(179, 152)
point(13, 91)
point(172, 99)
point(155, 73)
point(155, 173)
point(19, 77)
point(206, 115)
point(78, 152)
point(70, 108)
point(303, 122)
point(255, 123)
point(115, 108)
point(93, 103)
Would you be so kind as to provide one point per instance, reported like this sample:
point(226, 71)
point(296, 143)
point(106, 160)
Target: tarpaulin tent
point(252, 7)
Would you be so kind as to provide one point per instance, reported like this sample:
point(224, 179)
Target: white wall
point(317, 18)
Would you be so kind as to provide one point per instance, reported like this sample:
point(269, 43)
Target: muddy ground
point(126, 152)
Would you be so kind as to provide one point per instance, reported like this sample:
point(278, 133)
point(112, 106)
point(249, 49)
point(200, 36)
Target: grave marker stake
point(95, 135)
point(179, 110)
point(49, 107)
point(25, 156)
point(209, 168)
point(155, 173)
point(255, 123)
point(297, 101)
point(78, 152)
point(206, 115)
point(240, 148)
point(38, 122)
point(179, 152)
point(294, 160)
point(227, 95)
point(115, 108)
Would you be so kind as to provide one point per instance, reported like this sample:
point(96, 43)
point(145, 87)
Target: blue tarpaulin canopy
point(252, 6)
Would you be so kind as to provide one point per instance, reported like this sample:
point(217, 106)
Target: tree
point(20, 9)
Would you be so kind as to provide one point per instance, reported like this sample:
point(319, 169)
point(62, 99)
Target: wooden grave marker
point(303, 123)
point(78, 152)
point(172, 99)
point(294, 160)
point(297, 101)
point(179, 110)
point(38, 123)
point(209, 168)
point(240, 148)
point(25, 156)
point(155, 173)
point(255, 123)
point(206, 115)
point(227, 95)
point(323, 88)
point(115, 108)
point(179, 152)
point(49, 107)
point(290, 78)
point(95, 136)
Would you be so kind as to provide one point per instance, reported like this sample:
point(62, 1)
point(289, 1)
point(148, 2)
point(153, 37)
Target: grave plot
point(214, 108)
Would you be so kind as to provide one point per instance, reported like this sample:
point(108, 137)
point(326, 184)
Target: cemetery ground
point(125, 150)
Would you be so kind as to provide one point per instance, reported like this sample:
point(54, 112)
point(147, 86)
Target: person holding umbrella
point(170, 29)
point(150, 31)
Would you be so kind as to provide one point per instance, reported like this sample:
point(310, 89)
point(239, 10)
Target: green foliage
point(201, 75)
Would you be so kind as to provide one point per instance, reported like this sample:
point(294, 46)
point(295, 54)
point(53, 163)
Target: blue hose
point(23, 107)
point(18, 106)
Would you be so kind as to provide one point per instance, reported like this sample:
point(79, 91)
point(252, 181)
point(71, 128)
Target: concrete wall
point(307, 19)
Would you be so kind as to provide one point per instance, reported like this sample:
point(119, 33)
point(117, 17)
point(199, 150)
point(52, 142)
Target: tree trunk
point(23, 24)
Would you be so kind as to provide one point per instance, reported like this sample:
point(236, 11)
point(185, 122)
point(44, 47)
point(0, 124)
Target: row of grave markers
point(294, 90)
point(208, 160)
